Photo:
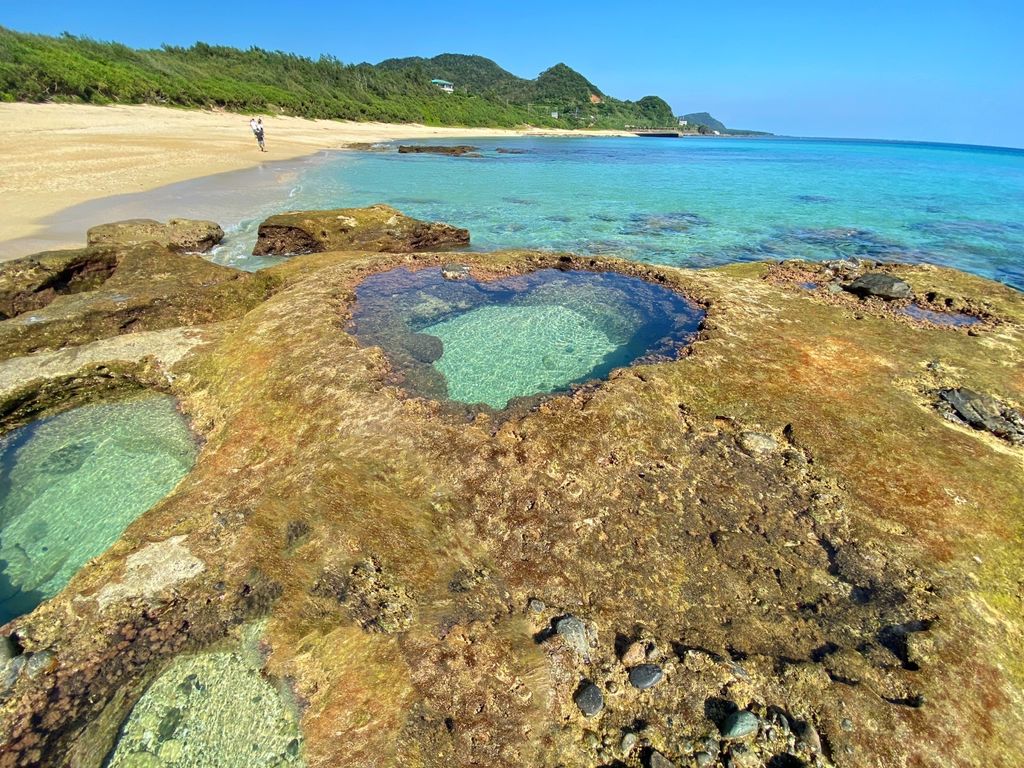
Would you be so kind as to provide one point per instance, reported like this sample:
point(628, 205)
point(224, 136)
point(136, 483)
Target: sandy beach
point(60, 155)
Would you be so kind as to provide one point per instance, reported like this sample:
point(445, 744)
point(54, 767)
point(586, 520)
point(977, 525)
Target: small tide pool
point(71, 483)
point(211, 709)
point(947, 319)
point(487, 343)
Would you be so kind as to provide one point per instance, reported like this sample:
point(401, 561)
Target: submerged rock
point(182, 235)
point(880, 285)
point(418, 149)
point(376, 228)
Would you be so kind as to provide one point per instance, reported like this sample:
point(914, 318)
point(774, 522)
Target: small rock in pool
point(881, 285)
point(454, 272)
point(704, 759)
point(645, 676)
point(740, 725)
point(535, 605)
point(658, 760)
point(588, 698)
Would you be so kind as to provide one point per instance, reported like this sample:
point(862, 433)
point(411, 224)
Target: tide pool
point(490, 342)
point(693, 202)
point(70, 484)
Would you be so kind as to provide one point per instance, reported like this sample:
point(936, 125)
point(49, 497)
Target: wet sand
point(60, 159)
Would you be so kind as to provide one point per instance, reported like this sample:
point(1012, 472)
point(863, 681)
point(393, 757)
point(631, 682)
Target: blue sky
point(929, 70)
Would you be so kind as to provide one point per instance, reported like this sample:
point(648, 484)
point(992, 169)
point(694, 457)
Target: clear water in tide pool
point(71, 483)
point(211, 709)
point(489, 342)
point(691, 202)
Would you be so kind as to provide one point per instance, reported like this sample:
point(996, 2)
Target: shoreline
point(62, 156)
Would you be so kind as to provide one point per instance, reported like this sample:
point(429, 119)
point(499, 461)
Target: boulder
point(378, 228)
point(182, 235)
point(144, 287)
point(881, 285)
point(983, 412)
point(420, 149)
point(33, 282)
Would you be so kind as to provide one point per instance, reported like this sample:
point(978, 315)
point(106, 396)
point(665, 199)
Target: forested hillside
point(68, 68)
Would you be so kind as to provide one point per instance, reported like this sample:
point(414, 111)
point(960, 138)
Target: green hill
point(707, 121)
point(68, 68)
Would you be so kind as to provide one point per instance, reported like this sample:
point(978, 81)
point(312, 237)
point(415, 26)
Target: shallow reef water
point(211, 709)
point(490, 342)
point(71, 483)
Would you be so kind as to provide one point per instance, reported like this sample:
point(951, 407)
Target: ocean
point(690, 202)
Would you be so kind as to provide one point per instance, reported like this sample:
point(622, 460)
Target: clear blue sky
point(932, 70)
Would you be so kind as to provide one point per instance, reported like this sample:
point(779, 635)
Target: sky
point(928, 70)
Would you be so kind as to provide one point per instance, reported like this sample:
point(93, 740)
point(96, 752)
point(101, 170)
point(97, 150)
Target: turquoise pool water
point(211, 710)
point(696, 202)
point(70, 484)
point(490, 342)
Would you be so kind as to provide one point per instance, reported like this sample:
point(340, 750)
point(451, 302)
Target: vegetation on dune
point(67, 68)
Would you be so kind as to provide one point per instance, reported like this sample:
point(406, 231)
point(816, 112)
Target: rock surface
point(376, 228)
point(182, 235)
point(838, 576)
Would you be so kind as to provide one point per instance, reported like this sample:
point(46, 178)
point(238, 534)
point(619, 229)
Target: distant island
point(450, 89)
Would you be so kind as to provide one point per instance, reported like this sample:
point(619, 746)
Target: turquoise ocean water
point(694, 202)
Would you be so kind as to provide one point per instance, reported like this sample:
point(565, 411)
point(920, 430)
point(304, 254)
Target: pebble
point(740, 725)
point(703, 759)
point(611, 686)
point(535, 605)
point(574, 633)
point(635, 654)
point(645, 676)
point(589, 699)
point(658, 760)
point(846, 724)
point(809, 735)
point(629, 740)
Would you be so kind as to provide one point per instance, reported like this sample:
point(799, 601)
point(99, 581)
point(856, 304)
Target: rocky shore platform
point(798, 544)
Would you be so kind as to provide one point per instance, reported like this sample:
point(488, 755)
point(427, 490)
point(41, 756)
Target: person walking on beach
point(257, 129)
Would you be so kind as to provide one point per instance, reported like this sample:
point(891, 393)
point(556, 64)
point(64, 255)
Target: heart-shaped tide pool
point(490, 342)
